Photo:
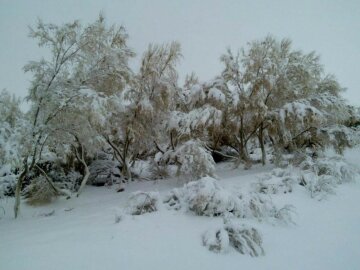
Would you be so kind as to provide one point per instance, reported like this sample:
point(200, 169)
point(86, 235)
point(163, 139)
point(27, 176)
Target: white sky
point(204, 28)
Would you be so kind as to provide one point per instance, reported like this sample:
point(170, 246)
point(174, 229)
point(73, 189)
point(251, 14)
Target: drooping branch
point(57, 190)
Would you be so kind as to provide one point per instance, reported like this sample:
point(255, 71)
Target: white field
point(326, 235)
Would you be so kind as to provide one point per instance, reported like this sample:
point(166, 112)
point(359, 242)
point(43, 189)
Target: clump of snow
point(216, 94)
point(216, 240)
point(198, 118)
point(196, 94)
point(277, 181)
point(245, 240)
point(285, 214)
point(140, 203)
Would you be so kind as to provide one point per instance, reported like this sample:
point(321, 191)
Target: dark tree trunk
point(262, 145)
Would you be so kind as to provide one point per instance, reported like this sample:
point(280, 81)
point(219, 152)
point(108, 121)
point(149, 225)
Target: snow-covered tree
point(270, 82)
point(92, 57)
point(138, 115)
point(12, 129)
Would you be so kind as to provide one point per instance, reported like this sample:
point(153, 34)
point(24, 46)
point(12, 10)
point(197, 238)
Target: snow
point(216, 94)
point(85, 233)
point(300, 109)
point(186, 122)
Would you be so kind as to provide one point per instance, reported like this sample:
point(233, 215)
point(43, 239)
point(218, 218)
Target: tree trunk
point(18, 189)
point(262, 146)
point(81, 157)
point(242, 149)
point(126, 171)
point(85, 179)
point(122, 157)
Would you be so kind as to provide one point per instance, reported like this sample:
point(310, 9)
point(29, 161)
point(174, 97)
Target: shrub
point(143, 202)
point(193, 161)
point(277, 181)
point(103, 172)
point(206, 197)
point(39, 191)
point(216, 240)
point(7, 185)
point(321, 176)
point(245, 240)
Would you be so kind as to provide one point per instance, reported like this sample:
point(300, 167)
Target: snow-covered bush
point(7, 181)
point(337, 167)
point(104, 172)
point(318, 185)
point(206, 197)
point(256, 206)
point(319, 175)
point(162, 171)
point(73, 180)
point(13, 126)
point(196, 161)
point(246, 240)
point(143, 202)
point(39, 191)
point(192, 159)
point(7, 185)
point(67, 181)
point(322, 175)
point(277, 181)
point(141, 169)
point(216, 240)
point(285, 214)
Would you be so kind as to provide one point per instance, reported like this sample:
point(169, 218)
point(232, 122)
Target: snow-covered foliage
point(322, 175)
point(188, 123)
point(12, 129)
point(193, 161)
point(278, 181)
point(318, 175)
point(206, 197)
point(104, 172)
point(142, 169)
point(216, 240)
point(7, 181)
point(39, 191)
point(340, 137)
point(244, 239)
point(140, 203)
point(316, 121)
point(12, 123)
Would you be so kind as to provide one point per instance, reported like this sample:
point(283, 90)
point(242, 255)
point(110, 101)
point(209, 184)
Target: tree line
point(87, 104)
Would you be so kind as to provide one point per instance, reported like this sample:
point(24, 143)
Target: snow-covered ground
point(82, 232)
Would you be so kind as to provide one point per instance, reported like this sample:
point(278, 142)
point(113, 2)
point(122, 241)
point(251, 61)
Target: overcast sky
point(204, 28)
